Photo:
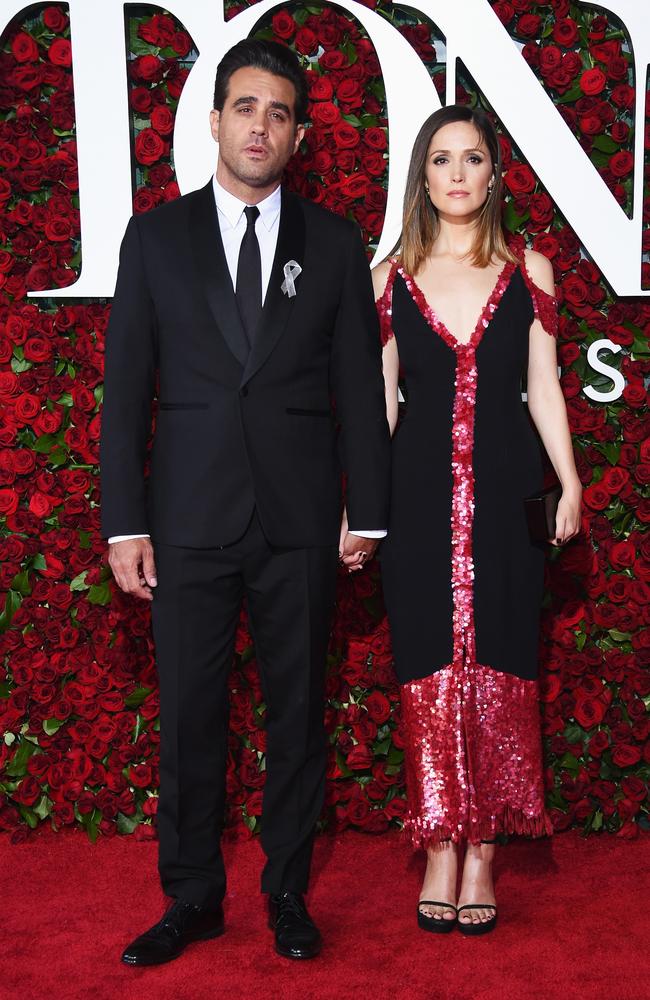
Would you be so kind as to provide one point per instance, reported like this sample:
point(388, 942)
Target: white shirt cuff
point(369, 534)
point(124, 538)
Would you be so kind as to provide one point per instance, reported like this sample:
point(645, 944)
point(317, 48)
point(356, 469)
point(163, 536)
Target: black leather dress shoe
point(182, 923)
point(296, 934)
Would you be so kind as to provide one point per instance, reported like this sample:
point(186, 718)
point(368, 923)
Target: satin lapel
point(212, 266)
point(277, 305)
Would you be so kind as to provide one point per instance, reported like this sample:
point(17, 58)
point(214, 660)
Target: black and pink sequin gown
point(462, 581)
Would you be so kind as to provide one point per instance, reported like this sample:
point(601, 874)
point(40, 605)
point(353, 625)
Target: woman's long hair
point(420, 224)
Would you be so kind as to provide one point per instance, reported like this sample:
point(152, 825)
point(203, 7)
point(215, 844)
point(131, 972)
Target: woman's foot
point(440, 882)
point(477, 886)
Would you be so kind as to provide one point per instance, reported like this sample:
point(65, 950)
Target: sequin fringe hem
point(509, 822)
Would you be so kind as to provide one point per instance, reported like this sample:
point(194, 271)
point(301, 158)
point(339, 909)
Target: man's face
point(256, 130)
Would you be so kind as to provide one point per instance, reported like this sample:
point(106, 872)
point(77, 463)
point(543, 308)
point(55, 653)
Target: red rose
point(519, 179)
point(589, 712)
point(359, 758)
point(592, 81)
point(565, 32)
point(321, 89)
point(626, 755)
point(504, 11)
point(541, 210)
point(598, 743)
point(350, 94)
point(325, 113)
point(550, 58)
point(346, 136)
point(54, 19)
point(149, 147)
point(375, 138)
point(621, 163)
point(622, 555)
point(614, 479)
point(162, 119)
point(306, 41)
point(23, 48)
point(623, 96)
point(60, 52)
point(148, 68)
point(283, 25)
point(8, 502)
point(378, 707)
point(528, 25)
point(141, 775)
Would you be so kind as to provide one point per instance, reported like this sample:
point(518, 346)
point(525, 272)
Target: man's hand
point(355, 551)
point(133, 566)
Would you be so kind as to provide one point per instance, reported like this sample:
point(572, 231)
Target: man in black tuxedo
point(245, 310)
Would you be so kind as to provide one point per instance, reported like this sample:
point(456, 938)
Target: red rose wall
point(78, 701)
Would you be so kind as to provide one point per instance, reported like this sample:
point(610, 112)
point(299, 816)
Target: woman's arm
point(548, 410)
point(390, 357)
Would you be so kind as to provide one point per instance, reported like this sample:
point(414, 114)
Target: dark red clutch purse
point(541, 510)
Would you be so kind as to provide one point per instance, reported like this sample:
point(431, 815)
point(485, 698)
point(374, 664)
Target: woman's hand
point(567, 519)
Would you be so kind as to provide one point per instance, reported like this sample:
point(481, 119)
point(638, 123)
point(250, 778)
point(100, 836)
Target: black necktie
point(248, 290)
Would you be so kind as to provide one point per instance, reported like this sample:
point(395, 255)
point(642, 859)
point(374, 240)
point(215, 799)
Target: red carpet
point(574, 923)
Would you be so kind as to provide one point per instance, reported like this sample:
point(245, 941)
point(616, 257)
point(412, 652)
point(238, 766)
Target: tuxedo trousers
point(290, 598)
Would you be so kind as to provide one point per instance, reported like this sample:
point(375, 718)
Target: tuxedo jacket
point(236, 428)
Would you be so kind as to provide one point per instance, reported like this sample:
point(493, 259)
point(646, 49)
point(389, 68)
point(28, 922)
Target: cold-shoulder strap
point(544, 305)
point(385, 306)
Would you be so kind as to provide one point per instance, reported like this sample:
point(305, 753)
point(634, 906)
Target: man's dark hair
point(270, 56)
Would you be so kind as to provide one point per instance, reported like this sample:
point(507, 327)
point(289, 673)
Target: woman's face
point(458, 170)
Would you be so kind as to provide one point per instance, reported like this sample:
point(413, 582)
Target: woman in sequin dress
point(462, 580)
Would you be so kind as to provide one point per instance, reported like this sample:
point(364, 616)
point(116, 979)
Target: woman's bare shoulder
point(540, 270)
point(380, 275)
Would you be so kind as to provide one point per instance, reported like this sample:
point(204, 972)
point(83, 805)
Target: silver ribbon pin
point(291, 271)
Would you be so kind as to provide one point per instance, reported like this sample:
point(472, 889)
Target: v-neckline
point(436, 324)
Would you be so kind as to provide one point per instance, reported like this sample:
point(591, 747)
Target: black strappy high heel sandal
point(437, 925)
point(485, 926)
point(472, 929)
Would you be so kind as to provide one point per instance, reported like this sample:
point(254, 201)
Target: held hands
point(133, 566)
point(567, 519)
point(354, 551)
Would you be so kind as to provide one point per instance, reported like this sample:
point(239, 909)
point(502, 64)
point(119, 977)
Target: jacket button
point(244, 391)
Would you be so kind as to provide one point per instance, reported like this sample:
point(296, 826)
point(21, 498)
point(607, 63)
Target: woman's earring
point(490, 188)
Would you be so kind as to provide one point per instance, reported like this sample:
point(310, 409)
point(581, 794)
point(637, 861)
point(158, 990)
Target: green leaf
point(65, 400)
point(126, 824)
point(43, 808)
point(619, 636)
point(38, 562)
point(79, 582)
point(100, 593)
point(605, 144)
point(511, 219)
point(17, 766)
point(12, 603)
point(18, 367)
point(84, 539)
point(5, 691)
point(52, 726)
point(21, 583)
point(44, 444)
point(570, 763)
point(574, 94)
point(597, 820)
point(135, 699)
point(91, 822)
point(29, 816)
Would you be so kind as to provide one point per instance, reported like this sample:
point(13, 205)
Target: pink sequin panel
point(473, 756)
point(544, 305)
point(385, 307)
